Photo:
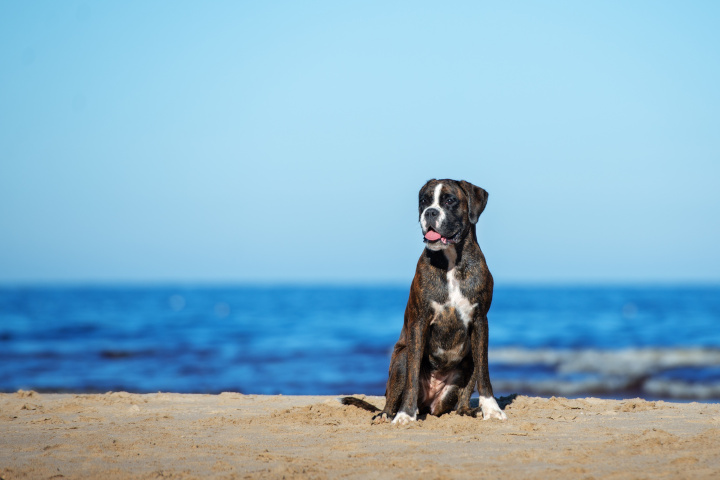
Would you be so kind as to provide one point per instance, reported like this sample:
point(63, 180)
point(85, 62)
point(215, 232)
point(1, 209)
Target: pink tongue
point(432, 235)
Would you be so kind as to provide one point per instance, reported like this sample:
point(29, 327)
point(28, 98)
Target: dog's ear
point(477, 199)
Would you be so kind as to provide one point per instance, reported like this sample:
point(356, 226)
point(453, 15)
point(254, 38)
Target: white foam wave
point(681, 389)
point(633, 362)
point(565, 388)
point(609, 372)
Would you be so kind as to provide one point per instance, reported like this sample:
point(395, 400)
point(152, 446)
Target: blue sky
point(286, 141)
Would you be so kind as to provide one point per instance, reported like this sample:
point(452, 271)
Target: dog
point(442, 353)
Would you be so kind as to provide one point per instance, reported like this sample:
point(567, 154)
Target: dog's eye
point(450, 202)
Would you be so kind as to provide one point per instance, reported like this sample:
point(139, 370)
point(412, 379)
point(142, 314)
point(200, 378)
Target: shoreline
point(231, 435)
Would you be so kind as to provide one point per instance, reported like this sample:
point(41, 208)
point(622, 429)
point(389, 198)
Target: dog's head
point(448, 209)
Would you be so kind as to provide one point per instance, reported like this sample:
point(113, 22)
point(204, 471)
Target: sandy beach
point(165, 435)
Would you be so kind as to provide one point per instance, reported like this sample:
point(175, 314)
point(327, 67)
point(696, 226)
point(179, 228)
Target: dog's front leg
point(488, 403)
point(415, 349)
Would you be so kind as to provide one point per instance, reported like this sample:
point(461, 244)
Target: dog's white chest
point(456, 300)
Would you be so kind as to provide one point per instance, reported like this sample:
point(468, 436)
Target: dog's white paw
point(491, 409)
point(403, 418)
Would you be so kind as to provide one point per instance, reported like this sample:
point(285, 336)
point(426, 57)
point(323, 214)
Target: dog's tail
point(356, 402)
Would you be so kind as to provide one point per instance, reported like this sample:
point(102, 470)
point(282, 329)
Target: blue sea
point(614, 342)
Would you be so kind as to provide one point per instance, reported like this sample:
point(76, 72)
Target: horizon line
point(347, 283)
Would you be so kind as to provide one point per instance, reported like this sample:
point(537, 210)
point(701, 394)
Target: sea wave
point(623, 361)
point(682, 373)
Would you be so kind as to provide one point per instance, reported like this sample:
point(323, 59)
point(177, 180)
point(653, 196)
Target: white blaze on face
point(435, 205)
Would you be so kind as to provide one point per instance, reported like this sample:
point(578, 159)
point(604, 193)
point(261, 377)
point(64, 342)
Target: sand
point(164, 435)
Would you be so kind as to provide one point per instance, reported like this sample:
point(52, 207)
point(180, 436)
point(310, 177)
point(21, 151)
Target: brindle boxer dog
point(442, 353)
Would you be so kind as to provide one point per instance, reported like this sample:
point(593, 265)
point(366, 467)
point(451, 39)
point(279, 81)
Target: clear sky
point(286, 141)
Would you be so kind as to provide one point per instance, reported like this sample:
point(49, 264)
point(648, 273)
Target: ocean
point(610, 342)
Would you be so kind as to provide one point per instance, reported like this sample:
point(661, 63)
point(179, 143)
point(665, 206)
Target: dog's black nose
point(432, 212)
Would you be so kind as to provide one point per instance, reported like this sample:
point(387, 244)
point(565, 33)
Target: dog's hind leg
point(445, 401)
point(447, 398)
